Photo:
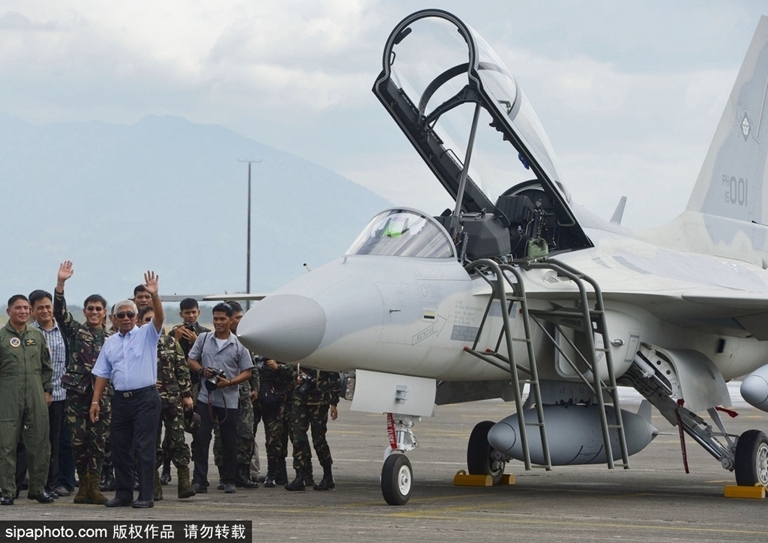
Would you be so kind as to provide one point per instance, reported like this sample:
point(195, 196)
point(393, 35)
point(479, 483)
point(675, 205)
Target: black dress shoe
point(143, 504)
point(5, 500)
point(117, 502)
point(45, 497)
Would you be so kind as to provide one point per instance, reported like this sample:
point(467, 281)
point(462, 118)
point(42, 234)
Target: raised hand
point(65, 272)
point(150, 282)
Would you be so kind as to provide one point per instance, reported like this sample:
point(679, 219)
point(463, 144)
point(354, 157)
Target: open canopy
point(445, 86)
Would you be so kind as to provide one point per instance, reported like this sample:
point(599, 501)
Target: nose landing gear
point(396, 473)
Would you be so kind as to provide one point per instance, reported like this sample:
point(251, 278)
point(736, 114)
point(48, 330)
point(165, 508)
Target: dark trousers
point(227, 420)
point(134, 429)
point(56, 412)
point(66, 476)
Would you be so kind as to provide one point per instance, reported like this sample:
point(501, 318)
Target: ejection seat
point(518, 210)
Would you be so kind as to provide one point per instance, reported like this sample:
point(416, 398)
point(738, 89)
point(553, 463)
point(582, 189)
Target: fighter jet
point(519, 293)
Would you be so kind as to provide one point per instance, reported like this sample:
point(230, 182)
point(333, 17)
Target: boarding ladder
point(591, 322)
point(496, 275)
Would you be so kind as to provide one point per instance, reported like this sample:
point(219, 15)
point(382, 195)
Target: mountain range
point(168, 195)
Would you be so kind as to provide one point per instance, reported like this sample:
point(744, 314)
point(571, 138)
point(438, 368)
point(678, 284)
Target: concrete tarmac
point(653, 501)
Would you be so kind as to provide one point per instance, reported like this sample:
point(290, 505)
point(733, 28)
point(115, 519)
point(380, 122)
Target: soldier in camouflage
point(175, 388)
point(185, 334)
point(275, 378)
point(316, 393)
point(84, 343)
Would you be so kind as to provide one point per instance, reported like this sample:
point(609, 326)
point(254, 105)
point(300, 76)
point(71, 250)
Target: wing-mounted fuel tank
point(754, 388)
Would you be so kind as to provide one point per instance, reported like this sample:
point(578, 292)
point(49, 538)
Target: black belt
point(131, 393)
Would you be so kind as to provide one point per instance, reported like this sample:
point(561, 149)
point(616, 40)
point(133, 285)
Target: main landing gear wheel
point(481, 458)
point(396, 479)
point(752, 458)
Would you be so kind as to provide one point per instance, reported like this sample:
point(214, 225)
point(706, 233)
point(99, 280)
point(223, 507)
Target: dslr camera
point(307, 383)
point(259, 361)
point(211, 382)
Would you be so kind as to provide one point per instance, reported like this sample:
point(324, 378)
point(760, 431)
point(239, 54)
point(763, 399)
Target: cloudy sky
point(629, 92)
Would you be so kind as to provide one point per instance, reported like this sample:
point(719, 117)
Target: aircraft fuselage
point(414, 316)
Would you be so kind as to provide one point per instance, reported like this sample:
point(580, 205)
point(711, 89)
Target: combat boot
point(309, 480)
point(165, 477)
point(186, 490)
point(269, 478)
point(281, 472)
point(327, 483)
point(243, 477)
point(107, 478)
point(82, 490)
point(297, 483)
point(94, 494)
point(157, 490)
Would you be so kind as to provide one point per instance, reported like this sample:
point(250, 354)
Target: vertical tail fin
point(730, 184)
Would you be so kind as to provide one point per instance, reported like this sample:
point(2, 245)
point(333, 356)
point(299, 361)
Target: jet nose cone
point(754, 390)
point(285, 327)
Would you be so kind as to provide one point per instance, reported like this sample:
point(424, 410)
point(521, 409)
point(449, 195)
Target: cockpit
point(403, 232)
point(470, 121)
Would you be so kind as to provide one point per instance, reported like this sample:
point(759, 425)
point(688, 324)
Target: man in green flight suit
point(25, 388)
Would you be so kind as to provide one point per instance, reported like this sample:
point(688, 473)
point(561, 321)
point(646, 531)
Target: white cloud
point(257, 58)
point(273, 68)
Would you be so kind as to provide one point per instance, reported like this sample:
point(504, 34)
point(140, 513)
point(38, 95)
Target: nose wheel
point(396, 473)
point(396, 479)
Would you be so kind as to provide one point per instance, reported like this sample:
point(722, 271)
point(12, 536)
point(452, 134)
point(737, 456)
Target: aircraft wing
point(739, 313)
point(735, 313)
point(213, 297)
point(239, 296)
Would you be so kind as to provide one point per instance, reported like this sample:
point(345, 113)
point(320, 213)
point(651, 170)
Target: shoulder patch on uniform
point(15, 342)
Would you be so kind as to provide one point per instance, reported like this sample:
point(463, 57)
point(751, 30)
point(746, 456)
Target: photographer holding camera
point(222, 364)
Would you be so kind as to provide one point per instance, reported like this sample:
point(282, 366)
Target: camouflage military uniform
point(310, 410)
point(174, 384)
point(173, 376)
point(88, 438)
point(186, 346)
point(273, 417)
